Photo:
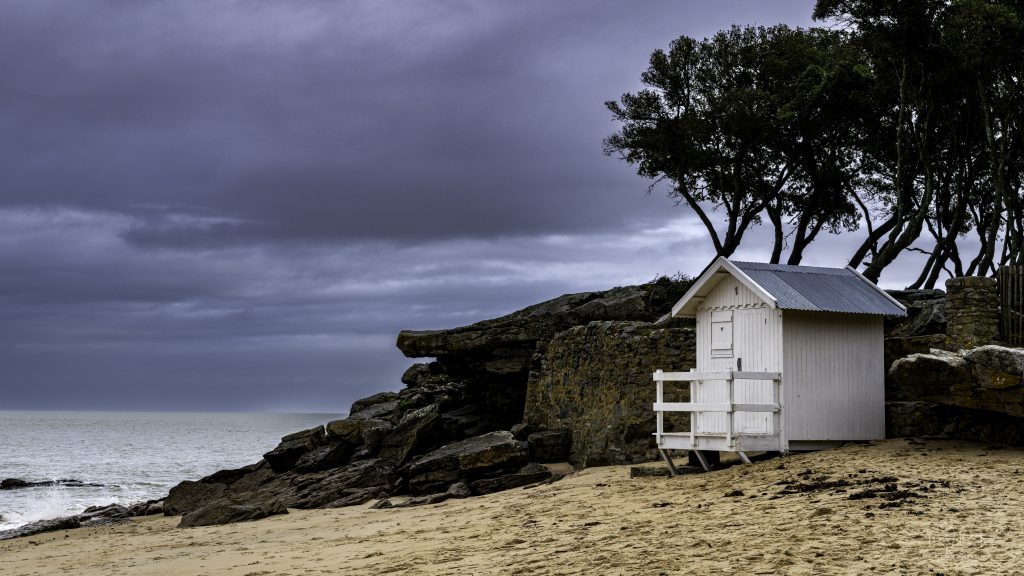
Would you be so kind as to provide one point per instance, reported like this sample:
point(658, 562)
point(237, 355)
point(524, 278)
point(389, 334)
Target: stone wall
point(595, 380)
point(972, 311)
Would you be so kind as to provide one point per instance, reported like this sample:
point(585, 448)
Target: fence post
point(659, 397)
point(730, 414)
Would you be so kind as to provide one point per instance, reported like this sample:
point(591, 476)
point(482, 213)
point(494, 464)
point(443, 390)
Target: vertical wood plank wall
point(757, 339)
point(833, 376)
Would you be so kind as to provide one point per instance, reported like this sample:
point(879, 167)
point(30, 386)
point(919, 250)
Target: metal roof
point(820, 289)
point(787, 287)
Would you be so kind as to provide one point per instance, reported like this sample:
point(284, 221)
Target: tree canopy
point(901, 124)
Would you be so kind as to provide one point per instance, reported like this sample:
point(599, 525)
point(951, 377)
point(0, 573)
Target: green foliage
point(748, 122)
point(902, 122)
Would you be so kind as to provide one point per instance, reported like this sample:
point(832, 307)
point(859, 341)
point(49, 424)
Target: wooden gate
point(1011, 304)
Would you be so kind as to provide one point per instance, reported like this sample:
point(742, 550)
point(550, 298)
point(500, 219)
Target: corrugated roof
point(819, 289)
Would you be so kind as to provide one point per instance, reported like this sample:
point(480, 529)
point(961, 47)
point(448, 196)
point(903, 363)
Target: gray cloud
point(237, 205)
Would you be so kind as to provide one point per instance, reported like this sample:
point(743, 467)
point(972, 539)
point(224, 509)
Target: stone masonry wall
point(972, 311)
point(596, 381)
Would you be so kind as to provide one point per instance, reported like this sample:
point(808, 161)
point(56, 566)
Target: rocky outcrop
point(227, 512)
point(375, 400)
point(487, 364)
point(41, 527)
point(595, 381)
point(189, 495)
point(532, 473)
point(18, 483)
point(294, 446)
point(413, 433)
point(489, 454)
point(90, 517)
point(446, 434)
point(984, 378)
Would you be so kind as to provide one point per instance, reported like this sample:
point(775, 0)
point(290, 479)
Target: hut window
point(721, 333)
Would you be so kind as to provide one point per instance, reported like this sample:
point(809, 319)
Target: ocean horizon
point(125, 457)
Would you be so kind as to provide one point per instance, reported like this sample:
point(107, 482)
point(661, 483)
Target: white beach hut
point(788, 358)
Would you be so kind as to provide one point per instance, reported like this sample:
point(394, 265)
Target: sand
point(964, 515)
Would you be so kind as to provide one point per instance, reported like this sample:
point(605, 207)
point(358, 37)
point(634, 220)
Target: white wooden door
point(754, 352)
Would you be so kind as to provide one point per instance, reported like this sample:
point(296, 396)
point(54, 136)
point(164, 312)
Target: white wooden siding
point(833, 376)
point(729, 294)
point(756, 342)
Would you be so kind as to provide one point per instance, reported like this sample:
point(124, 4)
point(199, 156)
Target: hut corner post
point(660, 398)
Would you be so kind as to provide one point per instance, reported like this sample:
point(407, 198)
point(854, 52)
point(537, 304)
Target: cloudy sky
point(237, 205)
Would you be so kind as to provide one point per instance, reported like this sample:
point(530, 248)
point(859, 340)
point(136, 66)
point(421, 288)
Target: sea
point(132, 456)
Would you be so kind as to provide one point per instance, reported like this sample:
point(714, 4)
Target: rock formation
point(447, 433)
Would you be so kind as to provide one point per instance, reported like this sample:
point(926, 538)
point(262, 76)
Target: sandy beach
point(956, 508)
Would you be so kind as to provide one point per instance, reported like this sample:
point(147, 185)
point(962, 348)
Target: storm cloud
point(237, 205)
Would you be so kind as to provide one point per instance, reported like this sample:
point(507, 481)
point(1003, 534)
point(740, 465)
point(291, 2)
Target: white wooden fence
point(714, 411)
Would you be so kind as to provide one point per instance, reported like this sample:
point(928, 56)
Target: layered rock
point(983, 378)
point(470, 459)
point(227, 512)
point(446, 433)
point(487, 364)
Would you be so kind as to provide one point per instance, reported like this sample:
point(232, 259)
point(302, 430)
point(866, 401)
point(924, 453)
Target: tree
point(745, 123)
point(945, 153)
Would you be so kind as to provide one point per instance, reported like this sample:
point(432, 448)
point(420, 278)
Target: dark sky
point(237, 205)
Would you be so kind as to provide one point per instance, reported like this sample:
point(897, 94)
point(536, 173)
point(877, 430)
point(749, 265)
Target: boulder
point(376, 412)
point(353, 432)
point(375, 400)
point(996, 367)
point(529, 474)
point(66, 523)
point(18, 483)
point(232, 475)
point(189, 495)
point(108, 512)
point(374, 435)
point(985, 378)
point(423, 375)
point(228, 512)
point(155, 508)
point(412, 433)
point(325, 457)
point(292, 447)
point(323, 489)
point(459, 490)
point(928, 377)
point(550, 445)
point(466, 459)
